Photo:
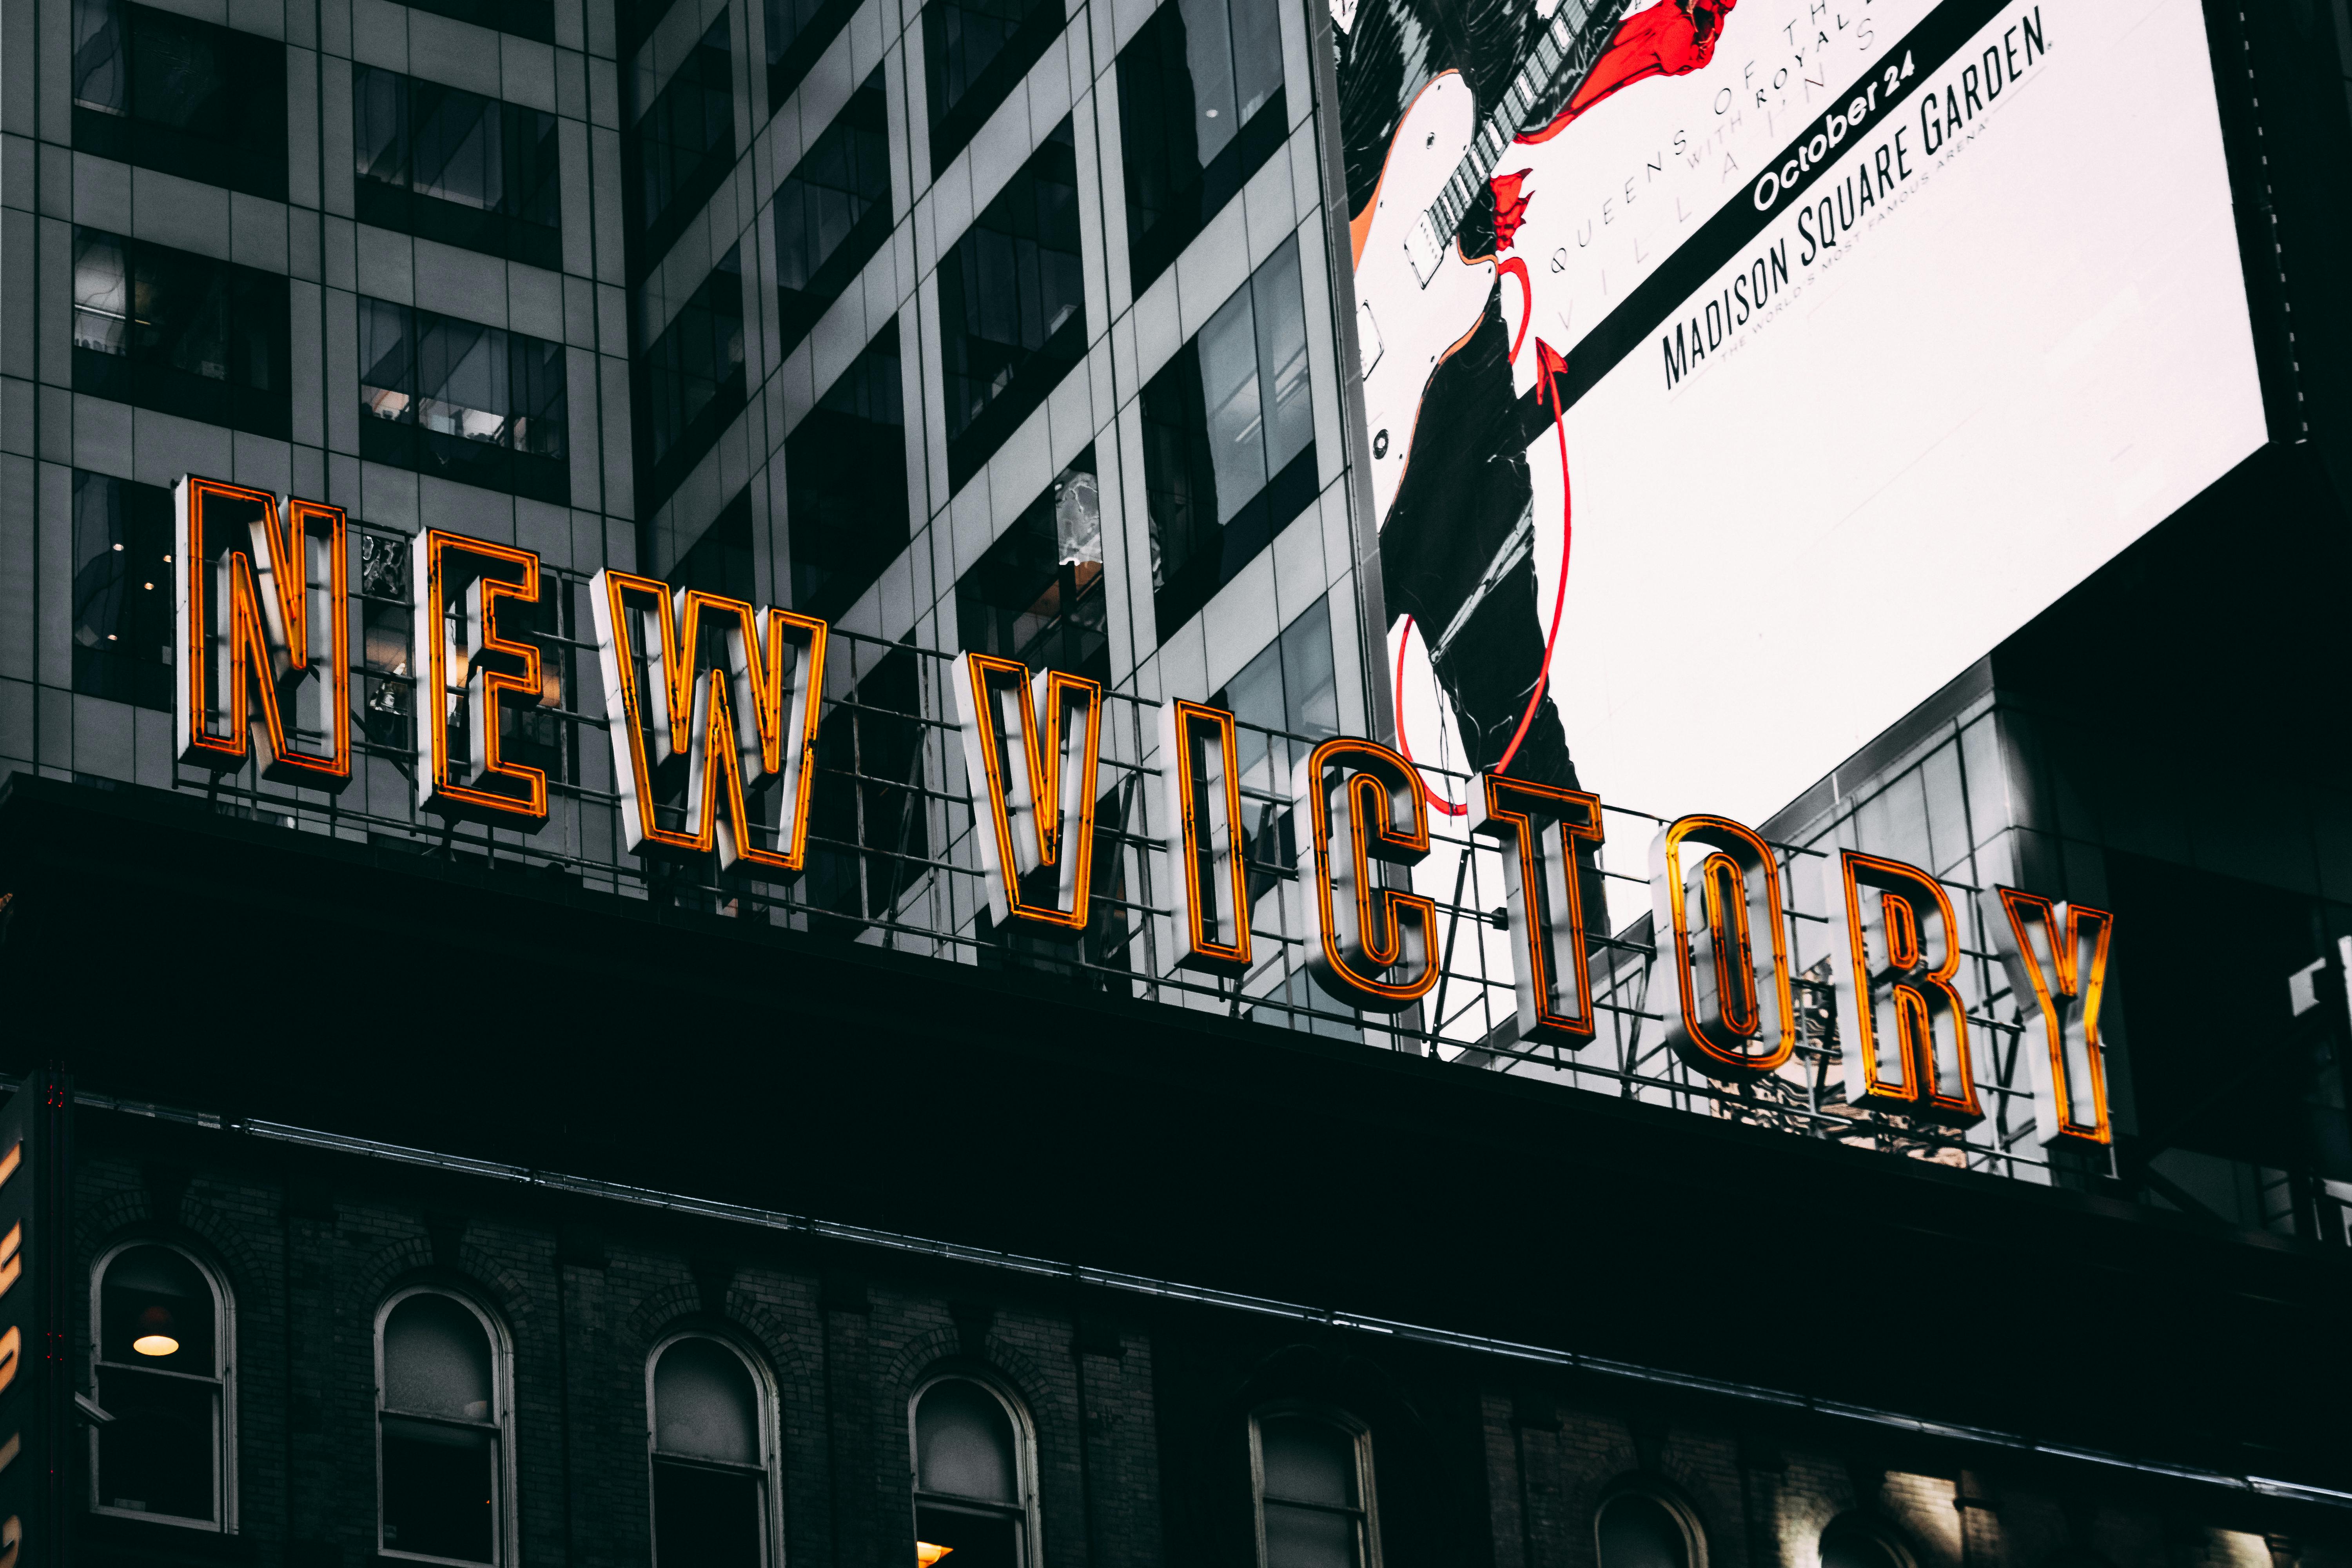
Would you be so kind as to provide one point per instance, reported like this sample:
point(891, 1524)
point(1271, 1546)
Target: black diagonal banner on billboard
point(35, 1346)
point(1771, 194)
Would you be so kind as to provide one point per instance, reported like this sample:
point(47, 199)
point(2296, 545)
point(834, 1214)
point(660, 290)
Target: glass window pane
point(1209, 57)
point(1637, 1531)
point(1281, 312)
point(1010, 283)
point(846, 480)
point(1177, 478)
point(380, 125)
point(786, 20)
point(964, 1444)
point(1310, 686)
point(976, 1540)
point(156, 1454)
point(155, 1309)
point(440, 1488)
point(1308, 1538)
point(176, 76)
point(538, 401)
point(100, 80)
point(705, 1405)
point(179, 313)
point(692, 117)
point(1306, 1460)
point(101, 293)
point(1228, 380)
point(706, 1518)
point(122, 590)
point(534, 184)
point(461, 378)
point(1254, 697)
point(257, 349)
point(454, 147)
point(1159, 128)
point(1257, 55)
point(436, 1360)
point(844, 175)
point(387, 362)
point(966, 36)
point(696, 355)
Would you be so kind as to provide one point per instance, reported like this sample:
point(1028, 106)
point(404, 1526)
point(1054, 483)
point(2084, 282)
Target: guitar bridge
point(1424, 250)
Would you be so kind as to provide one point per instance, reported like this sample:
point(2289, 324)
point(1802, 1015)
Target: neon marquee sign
point(713, 709)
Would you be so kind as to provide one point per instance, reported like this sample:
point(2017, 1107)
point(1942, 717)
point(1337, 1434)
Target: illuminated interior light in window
point(155, 1337)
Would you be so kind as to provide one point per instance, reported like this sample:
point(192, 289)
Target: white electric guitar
point(1419, 299)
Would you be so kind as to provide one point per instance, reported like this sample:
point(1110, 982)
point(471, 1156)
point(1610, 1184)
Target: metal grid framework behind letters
point(896, 866)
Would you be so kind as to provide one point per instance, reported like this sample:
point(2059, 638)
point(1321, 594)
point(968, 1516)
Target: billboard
point(1826, 341)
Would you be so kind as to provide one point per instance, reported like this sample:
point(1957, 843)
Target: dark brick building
point(1210, 1291)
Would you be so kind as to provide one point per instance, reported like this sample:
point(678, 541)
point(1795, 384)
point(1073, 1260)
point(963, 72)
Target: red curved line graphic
point(1404, 741)
point(1517, 267)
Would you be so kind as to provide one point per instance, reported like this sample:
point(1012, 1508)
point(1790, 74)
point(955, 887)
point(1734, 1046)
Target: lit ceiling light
point(118, 547)
point(155, 1336)
point(151, 587)
point(926, 1553)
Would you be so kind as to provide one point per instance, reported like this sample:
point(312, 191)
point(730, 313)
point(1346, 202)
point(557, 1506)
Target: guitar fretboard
point(1579, 31)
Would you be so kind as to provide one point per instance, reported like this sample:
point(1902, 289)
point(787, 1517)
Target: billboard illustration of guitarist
point(1449, 111)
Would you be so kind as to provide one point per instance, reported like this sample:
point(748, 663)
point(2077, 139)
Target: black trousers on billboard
point(1463, 495)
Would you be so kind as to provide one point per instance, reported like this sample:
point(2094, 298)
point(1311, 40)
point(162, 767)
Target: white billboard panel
point(1876, 325)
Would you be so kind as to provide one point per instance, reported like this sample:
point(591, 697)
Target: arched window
point(164, 1366)
point(444, 1429)
point(1636, 1529)
point(710, 1458)
point(1314, 1491)
point(971, 1478)
point(1855, 1541)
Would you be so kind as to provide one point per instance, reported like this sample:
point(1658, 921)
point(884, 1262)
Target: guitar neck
point(1580, 29)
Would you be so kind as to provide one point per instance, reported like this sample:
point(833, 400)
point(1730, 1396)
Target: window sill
point(523, 18)
point(257, 169)
point(164, 389)
point(102, 1533)
point(529, 475)
point(453, 222)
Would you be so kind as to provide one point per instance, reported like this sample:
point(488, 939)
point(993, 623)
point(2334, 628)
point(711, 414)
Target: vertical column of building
point(1506, 1479)
point(600, 1421)
point(316, 1521)
point(860, 1531)
point(1121, 1437)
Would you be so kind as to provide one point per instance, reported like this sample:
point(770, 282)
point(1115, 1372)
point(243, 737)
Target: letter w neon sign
point(698, 685)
